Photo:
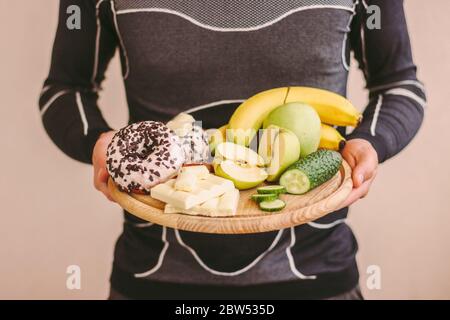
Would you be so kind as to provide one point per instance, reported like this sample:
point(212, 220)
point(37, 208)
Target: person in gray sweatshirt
point(205, 57)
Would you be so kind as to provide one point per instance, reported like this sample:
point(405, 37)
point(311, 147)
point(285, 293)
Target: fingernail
point(360, 178)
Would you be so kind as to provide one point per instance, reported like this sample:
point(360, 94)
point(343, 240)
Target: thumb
point(363, 171)
point(102, 175)
point(358, 177)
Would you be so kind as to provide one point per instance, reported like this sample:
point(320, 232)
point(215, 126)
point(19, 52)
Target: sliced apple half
point(238, 153)
point(281, 148)
point(266, 142)
point(243, 176)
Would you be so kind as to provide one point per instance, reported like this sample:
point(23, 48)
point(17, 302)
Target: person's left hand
point(363, 160)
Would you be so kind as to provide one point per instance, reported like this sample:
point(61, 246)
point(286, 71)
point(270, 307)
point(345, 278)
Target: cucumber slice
point(274, 189)
point(296, 181)
point(272, 206)
point(264, 197)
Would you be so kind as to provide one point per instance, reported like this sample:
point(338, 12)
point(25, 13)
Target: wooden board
point(299, 209)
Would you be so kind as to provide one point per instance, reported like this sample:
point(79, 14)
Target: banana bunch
point(332, 109)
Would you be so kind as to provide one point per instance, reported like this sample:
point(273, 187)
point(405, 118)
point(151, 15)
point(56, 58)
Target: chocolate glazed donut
point(142, 155)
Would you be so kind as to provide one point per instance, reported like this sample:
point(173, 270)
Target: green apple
point(281, 147)
point(243, 176)
point(302, 120)
point(239, 153)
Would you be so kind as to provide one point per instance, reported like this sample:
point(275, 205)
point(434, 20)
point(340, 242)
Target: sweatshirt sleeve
point(397, 99)
point(68, 101)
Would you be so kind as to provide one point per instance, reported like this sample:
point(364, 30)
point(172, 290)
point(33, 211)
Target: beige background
point(52, 217)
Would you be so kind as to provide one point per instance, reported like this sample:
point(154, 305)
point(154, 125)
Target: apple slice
point(266, 143)
point(281, 148)
point(215, 137)
point(238, 153)
point(243, 176)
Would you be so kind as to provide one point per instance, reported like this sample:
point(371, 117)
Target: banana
point(249, 116)
point(332, 108)
point(330, 138)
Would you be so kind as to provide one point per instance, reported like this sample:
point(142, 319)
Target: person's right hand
point(99, 162)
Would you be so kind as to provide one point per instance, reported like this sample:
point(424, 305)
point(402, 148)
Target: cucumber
point(311, 171)
point(272, 206)
point(264, 197)
point(272, 189)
